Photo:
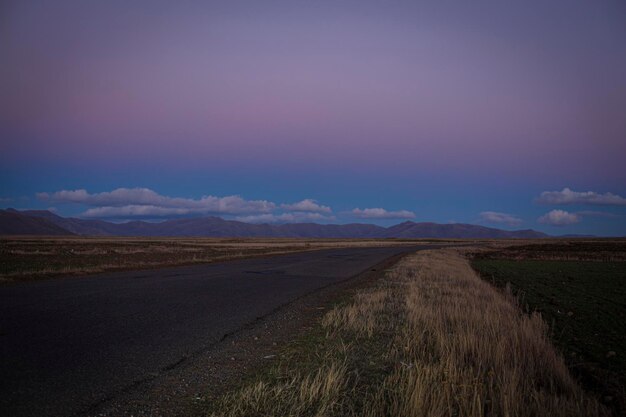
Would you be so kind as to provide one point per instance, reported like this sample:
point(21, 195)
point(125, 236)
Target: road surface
point(68, 344)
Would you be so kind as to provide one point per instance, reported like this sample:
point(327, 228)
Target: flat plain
point(32, 258)
point(540, 334)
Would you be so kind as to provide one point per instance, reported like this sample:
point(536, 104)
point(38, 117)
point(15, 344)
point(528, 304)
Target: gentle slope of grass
point(432, 339)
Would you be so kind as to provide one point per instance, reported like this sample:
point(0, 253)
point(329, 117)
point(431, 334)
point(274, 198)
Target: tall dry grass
point(432, 339)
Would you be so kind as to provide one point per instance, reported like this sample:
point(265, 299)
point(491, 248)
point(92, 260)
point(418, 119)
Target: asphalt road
point(68, 344)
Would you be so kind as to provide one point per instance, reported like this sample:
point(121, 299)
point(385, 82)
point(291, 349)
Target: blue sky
point(466, 200)
point(427, 111)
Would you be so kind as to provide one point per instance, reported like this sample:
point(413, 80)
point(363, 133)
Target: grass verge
point(585, 304)
point(431, 339)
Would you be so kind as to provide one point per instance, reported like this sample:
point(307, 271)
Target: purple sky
point(444, 109)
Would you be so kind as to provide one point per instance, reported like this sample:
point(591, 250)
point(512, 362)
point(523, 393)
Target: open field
point(36, 257)
point(30, 258)
point(431, 339)
point(580, 290)
point(601, 250)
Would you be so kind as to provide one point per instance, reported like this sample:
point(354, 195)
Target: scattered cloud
point(501, 218)
point(296, 217)
point(559, 218)
point(144, 202)
point(567, 196)
point(5, 199)
point(130, 211)
point(380, 213)
point(128, 203)
point(307, 205)
point(117, 197)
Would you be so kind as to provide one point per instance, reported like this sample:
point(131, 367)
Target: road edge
point(176, 390)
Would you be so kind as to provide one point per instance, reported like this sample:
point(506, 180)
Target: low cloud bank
point(500, 218)
point(135, 203)
point(559, 218)
point(380, 213)
point(307, 205)
point(297, 217)
point(145, 202)
point(129, 203)
point(567, 197)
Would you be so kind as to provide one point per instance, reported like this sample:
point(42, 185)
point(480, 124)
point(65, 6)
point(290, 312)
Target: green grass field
point(585, 304)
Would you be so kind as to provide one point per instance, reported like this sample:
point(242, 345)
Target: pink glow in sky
point(531, 94)
point(523, 81)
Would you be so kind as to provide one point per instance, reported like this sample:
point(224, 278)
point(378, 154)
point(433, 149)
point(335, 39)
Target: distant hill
point(457, 230)
point(13, 222)
point(217, 227)
point(79, 226)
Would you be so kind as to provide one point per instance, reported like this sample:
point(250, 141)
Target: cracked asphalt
point(70, 344)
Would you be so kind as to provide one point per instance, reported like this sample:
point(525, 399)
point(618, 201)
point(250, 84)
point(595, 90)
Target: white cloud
point(296, 217)
point(567, 196)
point(504, 218)
point(130, 211)
point(127, 203)
point(145, 202)
point(307, 205)
point(559, 218)
point(380, 213)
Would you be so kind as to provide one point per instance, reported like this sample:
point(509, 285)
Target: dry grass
point(431, 340)
point(313, 394)
point(30, 258)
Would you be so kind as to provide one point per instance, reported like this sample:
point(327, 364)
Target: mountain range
point(43, 222)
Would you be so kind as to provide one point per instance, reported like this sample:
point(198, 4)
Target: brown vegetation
point(29, 258)
point(432, 339)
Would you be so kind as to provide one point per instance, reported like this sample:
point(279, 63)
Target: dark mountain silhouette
point(457, 230)
point(13, 222)
point(78, 226)
point(218, 227)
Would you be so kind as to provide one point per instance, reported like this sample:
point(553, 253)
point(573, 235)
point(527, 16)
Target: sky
point(500, 113)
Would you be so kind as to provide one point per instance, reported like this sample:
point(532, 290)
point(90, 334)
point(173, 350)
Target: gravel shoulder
point(181, 390)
